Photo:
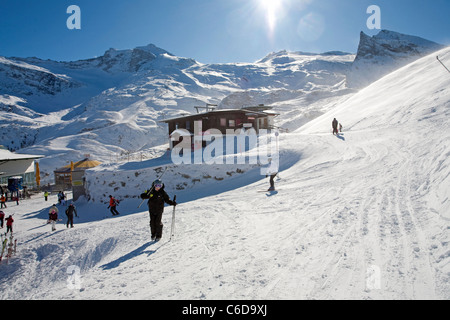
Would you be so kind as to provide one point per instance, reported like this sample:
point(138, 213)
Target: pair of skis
point(4, 243)
point(8, 247)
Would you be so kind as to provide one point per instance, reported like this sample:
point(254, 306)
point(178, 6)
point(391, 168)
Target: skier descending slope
point(272, 171)
point(157, 196)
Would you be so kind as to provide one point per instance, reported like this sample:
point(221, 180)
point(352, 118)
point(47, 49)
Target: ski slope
point(362, 216)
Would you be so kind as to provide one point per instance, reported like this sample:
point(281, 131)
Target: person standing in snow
point(46, 195)
point(272, 171)
point(157, 196)
point(70, 211)
point(2, 219)
point(335, 127)
point(3, 201)
point(63, 198)
point(53, 216)
point(112, 205)
point(9, 224)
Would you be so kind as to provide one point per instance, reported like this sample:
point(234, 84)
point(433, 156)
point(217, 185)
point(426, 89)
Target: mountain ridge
point(385, 52)
point(100, 105)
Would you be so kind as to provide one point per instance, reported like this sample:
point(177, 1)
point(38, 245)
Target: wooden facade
point(223, 120)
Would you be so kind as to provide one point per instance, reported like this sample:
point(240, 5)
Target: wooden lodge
point(258, 118)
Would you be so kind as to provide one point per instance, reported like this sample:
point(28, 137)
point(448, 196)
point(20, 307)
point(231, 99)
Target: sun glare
point(272, 9)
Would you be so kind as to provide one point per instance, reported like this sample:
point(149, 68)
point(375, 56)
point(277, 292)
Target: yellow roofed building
point(72, 175)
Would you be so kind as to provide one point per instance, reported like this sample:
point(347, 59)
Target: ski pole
point(172, 231)
point(152, 188)
point(437, 57)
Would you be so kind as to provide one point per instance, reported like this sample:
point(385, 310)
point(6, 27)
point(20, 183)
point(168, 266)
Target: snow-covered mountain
point(385, 52)
point(364, 215)
point(110, 105)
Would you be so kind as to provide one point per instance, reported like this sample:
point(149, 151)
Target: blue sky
point(209, 31)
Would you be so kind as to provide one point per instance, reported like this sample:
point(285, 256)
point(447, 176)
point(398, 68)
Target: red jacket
point(9, 221)
point(112, 202)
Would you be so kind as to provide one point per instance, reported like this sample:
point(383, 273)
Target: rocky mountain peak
point(385, 52)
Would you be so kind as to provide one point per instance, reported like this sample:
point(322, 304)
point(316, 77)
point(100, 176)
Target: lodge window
point(223, 122)
point(231, 123)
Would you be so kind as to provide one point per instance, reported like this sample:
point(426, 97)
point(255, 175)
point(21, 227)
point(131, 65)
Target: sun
point(272, 10)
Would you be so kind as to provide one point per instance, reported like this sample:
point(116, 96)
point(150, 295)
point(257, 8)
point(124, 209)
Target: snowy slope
point(362, 216)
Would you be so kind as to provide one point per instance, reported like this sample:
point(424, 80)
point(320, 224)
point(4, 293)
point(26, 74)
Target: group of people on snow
point(61, 198)
point(9, 219)
point(70, 212)
point(156, 197)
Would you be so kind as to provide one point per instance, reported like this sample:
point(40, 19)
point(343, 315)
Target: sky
point(209, 31)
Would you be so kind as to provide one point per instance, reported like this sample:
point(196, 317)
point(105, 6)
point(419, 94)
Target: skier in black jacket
point(70, 211)
point(157, 196)
point(334, 124)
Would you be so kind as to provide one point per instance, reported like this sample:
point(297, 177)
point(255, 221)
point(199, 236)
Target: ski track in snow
point(315, 239)
point(354, 219)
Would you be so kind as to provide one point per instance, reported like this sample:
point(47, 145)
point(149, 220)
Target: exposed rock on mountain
point(385, 52)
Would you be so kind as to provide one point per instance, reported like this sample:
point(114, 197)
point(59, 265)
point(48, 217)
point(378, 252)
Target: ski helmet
point(157, 182)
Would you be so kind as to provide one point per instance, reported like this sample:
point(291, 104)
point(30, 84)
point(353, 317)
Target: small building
point(259, 117)
point(15, 165)
point(72, 176)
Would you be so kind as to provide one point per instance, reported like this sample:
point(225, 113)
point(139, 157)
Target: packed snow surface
point(365, 215)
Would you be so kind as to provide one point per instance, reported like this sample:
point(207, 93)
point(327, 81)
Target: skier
point(53, 216)
point(112, 205)
point(340, 127)
point(2, 219)
point(62, 198)
point(69, 213)
point(3, 201)
point(335, 127)
point(157, 196)
point(46, 195)
point(272, 171)
point(9, 224)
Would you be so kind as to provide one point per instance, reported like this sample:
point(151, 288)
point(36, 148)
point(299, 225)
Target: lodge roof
point(6, 155)
point(79, 166)
point(249, 111)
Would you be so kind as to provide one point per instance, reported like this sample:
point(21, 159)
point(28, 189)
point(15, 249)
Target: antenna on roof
point(209, 107)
